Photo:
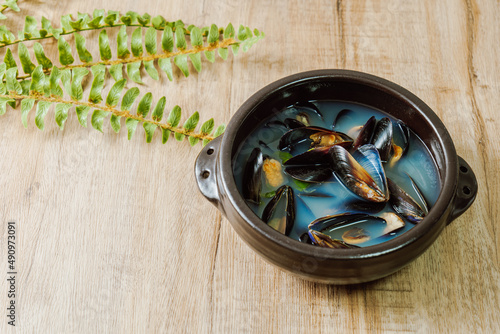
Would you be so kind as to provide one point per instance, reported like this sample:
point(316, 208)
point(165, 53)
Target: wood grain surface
point(113, 235)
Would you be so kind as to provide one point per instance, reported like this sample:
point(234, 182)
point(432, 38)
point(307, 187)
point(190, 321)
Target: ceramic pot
point(214, 174)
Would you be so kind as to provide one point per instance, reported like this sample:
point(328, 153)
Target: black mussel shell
point(420, 197)
point(366, 133)
point(354, 176)
point(340, 116)
point(404, 204)
point(401, 135)
point(284, 220)
point(293, 123)
point(334, 221)
point(323, 240)
point(311, 106)
point(329, 138)
point(382, 138)
point(252, 176)
point(312, 133)
point(310, 166)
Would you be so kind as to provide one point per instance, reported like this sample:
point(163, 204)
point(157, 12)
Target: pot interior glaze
point(339, 266)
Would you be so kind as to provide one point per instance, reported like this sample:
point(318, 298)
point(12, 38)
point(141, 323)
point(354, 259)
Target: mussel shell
point(382, 138)
point(299, 135)
point(368, 157)
point(252, 176)
point(310, 106)
point(293, 123)
point(420, 197)
point(355, 177)
point(284, 193)
point(339, 139)
point(344, 113)
point(401, 135)
point(404, 204)
point(334, 221)
point(366, 133)
point(323, 240)
point(310, 166)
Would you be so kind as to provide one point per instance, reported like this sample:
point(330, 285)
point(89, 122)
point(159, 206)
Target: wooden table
point(114, 236)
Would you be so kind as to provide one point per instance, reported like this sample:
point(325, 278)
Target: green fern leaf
point(3, 69)
point(210, 55)
point(110, 20)
point(12, 4)
point(174, 117)
point(76, 84)
point(129, 98)
point(61, 113)
point(165, 133)
point(30, 29)
point(82, 113)
point(181, 62)
point(193, 140)
point(131, 125)
point(150, 41)
point(97, 119)
point(25, 58)
point(167, 40)
point(3, 104)
point(213, 35)
point(65, 56)
point(115, 123)
point(104, 49)
point(83, 53)
point(145, 105)
point(115, 92)
point(38, 80)
point(98, 71)
point(180, 39)
point(9, 60)
point(149, 128)
point(158, 110)
point(220, 130)
point(229, 31)
point(166, 66)
point(26, 106)
point(159, 22)
point(144, 19)
point(223, 52)
point(196, 61)
point(42, 108)
point(11, 79)
point(40, 56)
point(189, 125)
point(207, 127)
point(121, 41)
point(66, 80)
point(136, 42)
point(116, 71)
point(196, 37)
point(133, 72)
point(150, 68)
point(65, 23)
point(55, 89)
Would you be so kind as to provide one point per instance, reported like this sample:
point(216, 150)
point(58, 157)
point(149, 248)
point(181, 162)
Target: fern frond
point(83, 22)
point(174, 49)
point(12, 4)
point(45, 91)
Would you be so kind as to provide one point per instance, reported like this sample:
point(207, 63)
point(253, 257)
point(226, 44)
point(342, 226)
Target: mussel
point(382, 138)
point(355, 177)
point(317, 136)
point(323, 240)
point(252, 176)
point(404, 204)
point(310, 106)
point(366, 133)
point(279, 213)
point(357, 228)
point(310, 166)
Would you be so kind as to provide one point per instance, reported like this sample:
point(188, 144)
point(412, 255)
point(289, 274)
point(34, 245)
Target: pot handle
point(205, 168)
point(466, 190)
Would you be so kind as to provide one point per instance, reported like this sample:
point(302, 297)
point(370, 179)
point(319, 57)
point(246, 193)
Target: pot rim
point(449, 182)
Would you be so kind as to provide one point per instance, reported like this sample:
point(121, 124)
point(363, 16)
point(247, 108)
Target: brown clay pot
point(214, 174)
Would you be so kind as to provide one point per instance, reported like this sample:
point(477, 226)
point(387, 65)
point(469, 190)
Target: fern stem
point(114, 111)
point(3, 8)
point(211, 47)
point(69, 32)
